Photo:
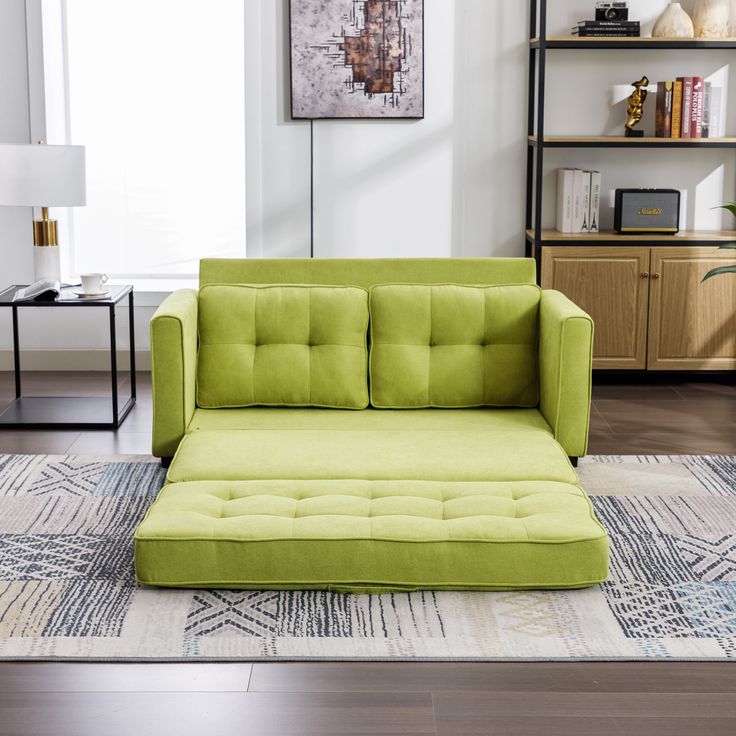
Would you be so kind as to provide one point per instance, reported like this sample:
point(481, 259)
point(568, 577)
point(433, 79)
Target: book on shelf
point(609, 24)
point(706, 109)
point(715, 112)
point(696, 109)
point(605, 33)
point(607, 28)
point(586, 202)
point(663, 116)
point(676, 129)
point(578, 201)
point(595, 202)
point(687, 103)
point(564, 200)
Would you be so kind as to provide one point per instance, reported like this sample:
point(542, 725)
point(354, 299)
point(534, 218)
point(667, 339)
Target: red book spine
point(687, 103)
point(698, 105)
point(659, 112)
point(668, 90)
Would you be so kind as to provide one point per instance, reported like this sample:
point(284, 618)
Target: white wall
point(453, 183)
point(449, 185)
point(16, 238)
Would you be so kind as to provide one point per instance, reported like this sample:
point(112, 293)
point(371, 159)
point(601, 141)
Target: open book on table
point(45, 290)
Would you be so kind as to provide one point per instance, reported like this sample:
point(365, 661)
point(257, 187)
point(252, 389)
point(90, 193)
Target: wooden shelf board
point(624, 40)
point(683, 237)
point(603, 139)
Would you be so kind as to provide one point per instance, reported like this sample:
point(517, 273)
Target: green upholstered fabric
point(472, 498)
point(381, 450)
point(453, 346)
point(505, 421)
point(367, 272)
point(282, 346)
point(374, 535)
point(565, 375)
point(173, 369)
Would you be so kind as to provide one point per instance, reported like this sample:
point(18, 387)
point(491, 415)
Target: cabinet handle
point(645, 275)
point(656, 276)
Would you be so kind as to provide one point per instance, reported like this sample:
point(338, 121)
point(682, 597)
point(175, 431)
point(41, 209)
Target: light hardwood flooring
point(570, 699)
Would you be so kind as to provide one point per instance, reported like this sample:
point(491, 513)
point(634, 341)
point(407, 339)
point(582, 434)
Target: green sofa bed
point(370, 425)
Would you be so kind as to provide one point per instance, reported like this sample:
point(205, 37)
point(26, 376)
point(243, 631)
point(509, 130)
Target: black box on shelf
point(647, 211)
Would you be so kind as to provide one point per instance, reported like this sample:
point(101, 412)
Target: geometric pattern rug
point(68, 591)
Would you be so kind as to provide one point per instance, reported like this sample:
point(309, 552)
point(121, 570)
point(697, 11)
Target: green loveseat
point(371, 425)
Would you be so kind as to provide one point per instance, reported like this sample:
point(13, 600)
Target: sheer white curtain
point(155, 90)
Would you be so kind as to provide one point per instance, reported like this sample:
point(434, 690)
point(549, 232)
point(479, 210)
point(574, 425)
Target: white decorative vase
point(712, 18)
point(674, 23)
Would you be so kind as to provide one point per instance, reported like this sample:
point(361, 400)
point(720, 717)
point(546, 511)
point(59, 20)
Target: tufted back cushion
point(282, 346)
point(453, 346)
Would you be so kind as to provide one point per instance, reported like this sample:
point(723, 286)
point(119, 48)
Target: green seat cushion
point(371, 535)
point(453, 346)
point(525, 421)
point(457, 454)
point(282, 346)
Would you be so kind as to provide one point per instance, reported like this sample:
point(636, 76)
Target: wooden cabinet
point(692, 324)
point(650, 307)
point(611, 285)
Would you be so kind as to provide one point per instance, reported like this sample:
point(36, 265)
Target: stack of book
point(578, 201)
point(603, 28)
point(689, 107)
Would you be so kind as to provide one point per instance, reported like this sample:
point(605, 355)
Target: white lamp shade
point(42, 176)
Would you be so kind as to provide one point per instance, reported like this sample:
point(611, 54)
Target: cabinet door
point(692, 324)
point(612, 286)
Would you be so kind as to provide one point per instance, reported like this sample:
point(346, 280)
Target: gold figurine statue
point(635, 109)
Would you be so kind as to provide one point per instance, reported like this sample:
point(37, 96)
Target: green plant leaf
point(719, 271)
point(730, 207)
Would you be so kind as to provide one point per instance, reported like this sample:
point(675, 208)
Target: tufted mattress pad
point(372, 535)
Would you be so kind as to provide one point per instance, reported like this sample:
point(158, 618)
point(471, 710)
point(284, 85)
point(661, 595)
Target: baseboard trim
point(73, 360)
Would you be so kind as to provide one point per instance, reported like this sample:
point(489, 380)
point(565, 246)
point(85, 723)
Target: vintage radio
point(647, 211)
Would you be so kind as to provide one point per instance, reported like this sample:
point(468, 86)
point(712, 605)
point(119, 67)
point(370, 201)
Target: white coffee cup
point(92, 283)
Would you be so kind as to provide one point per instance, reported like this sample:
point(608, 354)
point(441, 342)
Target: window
point(155, 91)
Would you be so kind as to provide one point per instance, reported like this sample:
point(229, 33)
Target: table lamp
point(43, 176)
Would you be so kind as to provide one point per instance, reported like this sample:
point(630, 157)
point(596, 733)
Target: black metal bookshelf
point(539, 46)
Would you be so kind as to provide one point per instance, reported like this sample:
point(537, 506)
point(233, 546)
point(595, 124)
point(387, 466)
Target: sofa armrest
point(565, 370)
point(173, 369)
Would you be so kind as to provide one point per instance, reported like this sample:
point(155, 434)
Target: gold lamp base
point(46, 261)
point(45, 231)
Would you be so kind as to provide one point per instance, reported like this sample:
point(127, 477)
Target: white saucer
point(86, 295)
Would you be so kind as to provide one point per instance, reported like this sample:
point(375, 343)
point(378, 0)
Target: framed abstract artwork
point(357, 59)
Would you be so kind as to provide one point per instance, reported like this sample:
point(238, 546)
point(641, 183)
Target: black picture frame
point(398, 117)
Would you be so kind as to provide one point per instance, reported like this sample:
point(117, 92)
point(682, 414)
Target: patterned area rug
point(67, 588)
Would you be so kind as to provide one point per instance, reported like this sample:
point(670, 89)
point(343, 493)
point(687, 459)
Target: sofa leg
point(166, 461)
point(574, 461)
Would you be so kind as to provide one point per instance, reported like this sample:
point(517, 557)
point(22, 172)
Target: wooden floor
point(574, 699)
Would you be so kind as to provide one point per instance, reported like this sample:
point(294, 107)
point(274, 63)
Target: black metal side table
point(84, 412)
